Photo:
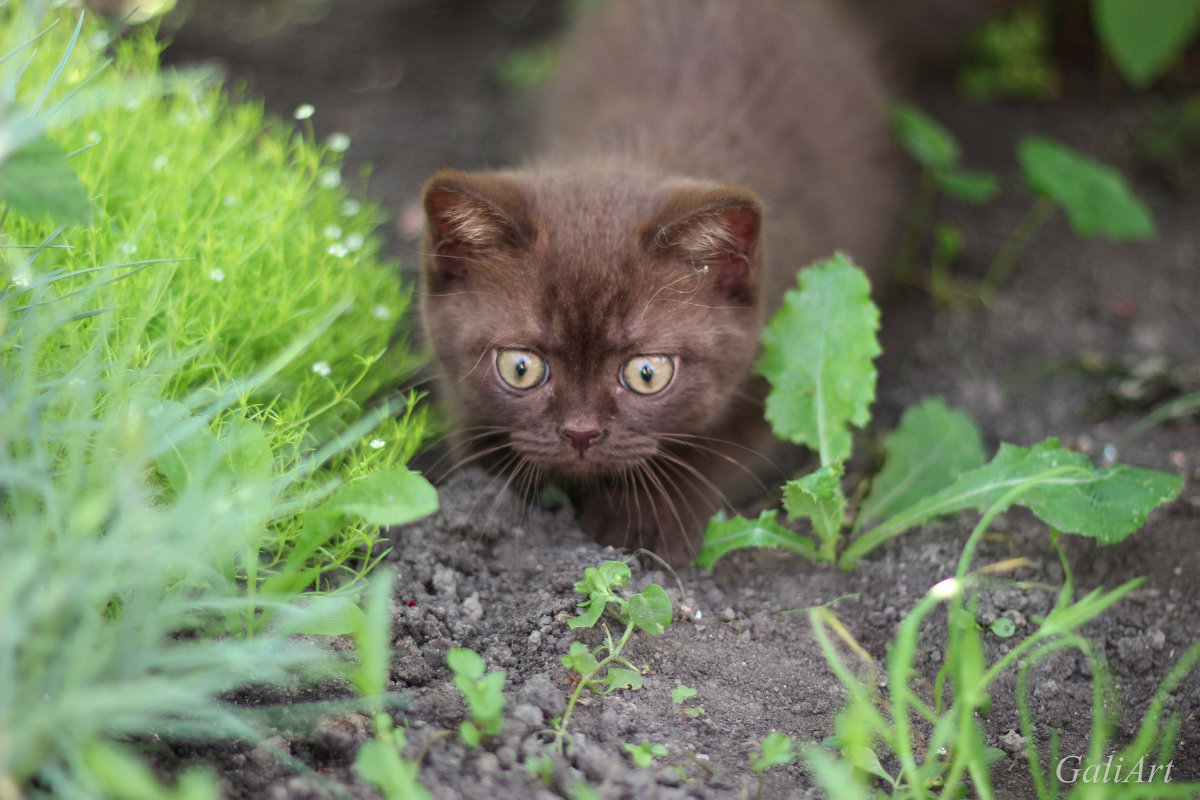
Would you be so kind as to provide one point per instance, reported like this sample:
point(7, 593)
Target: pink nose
point(580, 440)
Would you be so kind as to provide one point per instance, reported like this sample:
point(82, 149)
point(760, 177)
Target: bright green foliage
point(723, 535)
point(775, 750)
point(680, 695)
point(38, 182)
point(1146, 37)
point(483, 693)
point(818, 496)
point(932, 445)
point(379, 762)
point(1096, 198)
point(643, 754)
point(1010, 57)
point(114, 772)
point(817, 353)
point(603, 670)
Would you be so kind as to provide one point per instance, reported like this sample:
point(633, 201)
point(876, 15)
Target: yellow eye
point(648, 374)
point(521, 369)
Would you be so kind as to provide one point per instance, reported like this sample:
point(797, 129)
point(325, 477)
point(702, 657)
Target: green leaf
point(924, 138)
point(374, 639)
point(249, 455)
point(379, 762)
point(776, 750)
point(1003, 627)
point(681, 694)
point(969, 185)
point(817, 354)
point(620, 678)
point(817, 496)
point(469, 733)
point(393, 497)
point(465, 662)
point(1060, 486)
point(38, 182)
point(1096, 198)
point(580, 659)
point(326, 615)
point(649, 609)
point(1145, 37)
point(930, 448)
point(600, 585)
point(723, 535)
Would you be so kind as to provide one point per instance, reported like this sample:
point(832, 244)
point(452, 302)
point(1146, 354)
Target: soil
point(1085, 337)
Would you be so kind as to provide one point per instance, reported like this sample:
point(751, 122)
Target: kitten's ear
point(466, 215)
point(717, 227)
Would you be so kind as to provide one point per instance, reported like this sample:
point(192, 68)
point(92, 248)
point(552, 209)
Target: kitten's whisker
point(699, 276)
point(660, 469)
point(465, 460)
point(487, 349)
point(697, 475)
point(727, 458)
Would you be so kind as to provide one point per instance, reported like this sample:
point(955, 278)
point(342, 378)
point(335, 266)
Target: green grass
point(194, 419)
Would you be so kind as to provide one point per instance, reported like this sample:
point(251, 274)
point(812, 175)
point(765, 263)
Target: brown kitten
point(595, 314)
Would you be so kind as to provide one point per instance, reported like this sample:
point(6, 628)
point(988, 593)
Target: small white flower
point(304, 111)
point(378, 443)
point(330, 179)
point(217, 274)
point(381, 311)
point(93, 137)
point(350, 207)
point(159, 163)
point(353, 242)
point(332, 232)
point(127, 249)
point(133, 104)
point(22, 280)
point(338, 142)
point(230, 201)
point(321, 368)
point(338, 250)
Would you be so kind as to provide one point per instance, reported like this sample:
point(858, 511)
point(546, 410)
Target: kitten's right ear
point(466, 215)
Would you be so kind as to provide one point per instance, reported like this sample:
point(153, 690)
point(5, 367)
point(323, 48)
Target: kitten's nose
point(581, 440)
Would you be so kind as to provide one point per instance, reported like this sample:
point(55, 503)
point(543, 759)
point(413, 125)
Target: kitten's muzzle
point(581, 440)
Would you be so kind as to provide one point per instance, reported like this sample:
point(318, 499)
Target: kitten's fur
point(696, 154)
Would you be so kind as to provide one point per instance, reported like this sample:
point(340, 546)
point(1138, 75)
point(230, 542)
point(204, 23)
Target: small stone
point(1012, 742)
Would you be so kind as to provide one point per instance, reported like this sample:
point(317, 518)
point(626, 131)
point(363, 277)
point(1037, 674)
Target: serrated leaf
point(1096, 197)
point(924, 138)
point(817, 496)
point(680, 694)
point(600, 584)
point(724, 535)
point(928, 450)
point(817, 353)
point(971, 186)
point(393, 497)
point(38, 182)
point(1145, 37)
point(620, 678)
point(1060, 486)
point(649, 609)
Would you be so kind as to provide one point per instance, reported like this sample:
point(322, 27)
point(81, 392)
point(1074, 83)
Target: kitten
point(595, 313)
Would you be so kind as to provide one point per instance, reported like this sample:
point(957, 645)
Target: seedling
point(680, 695)
point(935, 456)
point(603, 670)
point(774, 750)
point(483, 693)
point(643, 754)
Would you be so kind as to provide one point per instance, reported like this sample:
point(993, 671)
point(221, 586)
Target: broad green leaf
point(924, 138)
point(1096, 198)
point(580, 659)
point(817, 353)
point(1145, 37)
point(249, 455)
point(1060, 486)
point(932, 445)
point(817, 496)
point(723, 535)
point(38, 182)
point(465, 662)
point(600, 584)
point(649, 609)
point(326, 615)
point(681, 694)
point(393, 497)
point(969, 185)
point(621, 678)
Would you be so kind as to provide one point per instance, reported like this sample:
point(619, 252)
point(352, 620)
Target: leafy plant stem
point(585, 681)
point(1006, 260)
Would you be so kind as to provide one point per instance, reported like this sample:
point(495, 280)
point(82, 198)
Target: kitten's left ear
point(717, 227)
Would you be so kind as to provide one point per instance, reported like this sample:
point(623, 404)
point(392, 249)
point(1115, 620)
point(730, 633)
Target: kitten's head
point(587, 321)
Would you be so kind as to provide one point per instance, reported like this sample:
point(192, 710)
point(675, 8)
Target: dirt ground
point(1060, 353)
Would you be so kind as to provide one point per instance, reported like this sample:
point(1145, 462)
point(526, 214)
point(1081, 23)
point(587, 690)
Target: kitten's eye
point(648, 374)
point(521, 369)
